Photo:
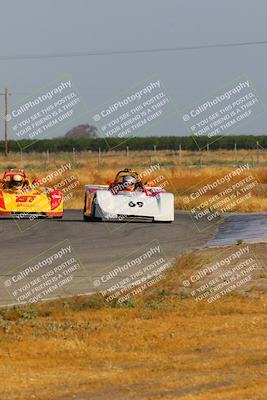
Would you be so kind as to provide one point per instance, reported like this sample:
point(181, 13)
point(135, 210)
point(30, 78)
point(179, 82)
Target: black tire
point(91, 218)
point(86, 219)
point(163, 222)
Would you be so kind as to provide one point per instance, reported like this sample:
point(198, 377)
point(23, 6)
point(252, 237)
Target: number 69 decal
point(138, 203)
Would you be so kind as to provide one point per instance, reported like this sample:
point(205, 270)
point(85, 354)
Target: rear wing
point(94, 188)
point(14, 171)
point(155, 189)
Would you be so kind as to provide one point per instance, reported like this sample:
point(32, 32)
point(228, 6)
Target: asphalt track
point(96, 244)
point(246, 227)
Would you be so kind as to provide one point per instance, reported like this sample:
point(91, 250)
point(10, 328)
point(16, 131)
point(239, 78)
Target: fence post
point(258, 153)
point(180, 154)
point(127, 151)
point(200, 160)
point(73, 155)
point(99, 155)
point(47, 159)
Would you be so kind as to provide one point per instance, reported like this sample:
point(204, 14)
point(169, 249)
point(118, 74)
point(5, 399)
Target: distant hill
point(82, 131)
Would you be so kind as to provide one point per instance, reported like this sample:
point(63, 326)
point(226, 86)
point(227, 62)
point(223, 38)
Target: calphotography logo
point(223, 112)
point(133, 274)
point(209, 202)
point(55, 106)
point(54, 273)
point(234, 271)
point(134, 112)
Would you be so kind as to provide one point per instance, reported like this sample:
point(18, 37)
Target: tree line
point(138, 143)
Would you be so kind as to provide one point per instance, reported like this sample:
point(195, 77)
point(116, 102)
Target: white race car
point(127, 198)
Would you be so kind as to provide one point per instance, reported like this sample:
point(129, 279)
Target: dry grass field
point(161, 345)
point(181, 173)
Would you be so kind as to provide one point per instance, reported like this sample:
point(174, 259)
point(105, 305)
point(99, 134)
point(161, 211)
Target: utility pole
point(5, 94)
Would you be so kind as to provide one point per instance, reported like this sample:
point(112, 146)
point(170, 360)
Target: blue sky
point(33, 27)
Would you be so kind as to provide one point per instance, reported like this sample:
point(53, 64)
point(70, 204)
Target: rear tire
point(163, 222)
point(85, 217)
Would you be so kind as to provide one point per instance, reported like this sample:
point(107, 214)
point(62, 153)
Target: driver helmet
point(129, 182)
point(17, 182)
